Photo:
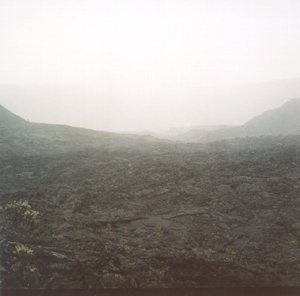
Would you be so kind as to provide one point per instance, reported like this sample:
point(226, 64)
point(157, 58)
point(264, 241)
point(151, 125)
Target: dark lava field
point(121, 211)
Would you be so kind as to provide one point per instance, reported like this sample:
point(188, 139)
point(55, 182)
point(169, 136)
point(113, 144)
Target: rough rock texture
point(117, 210)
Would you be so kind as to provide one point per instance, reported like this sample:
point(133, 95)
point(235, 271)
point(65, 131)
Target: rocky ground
point(131, 212)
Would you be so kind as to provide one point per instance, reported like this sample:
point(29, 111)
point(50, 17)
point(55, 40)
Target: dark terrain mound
point(283, 120)
point(9, 118)
point(130, 211)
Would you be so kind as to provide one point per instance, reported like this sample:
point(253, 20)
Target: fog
point(137, 65)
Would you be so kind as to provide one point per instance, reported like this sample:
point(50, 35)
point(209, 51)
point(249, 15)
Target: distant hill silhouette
point(9, 118)
point(282, 120)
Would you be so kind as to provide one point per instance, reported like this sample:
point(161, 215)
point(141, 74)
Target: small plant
point(23, 224)
point(155, 242)
point(123, 247)
point(229, 251)
point(23, 251)
point(291, 243)
point(118, 280)
point(21, 217)
point(24, 269)
point(140, 249)
point(158, 274)
point(207, 254)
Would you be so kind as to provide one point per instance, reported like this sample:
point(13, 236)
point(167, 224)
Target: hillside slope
point(282, 120)
point(127, 211)
point(113, 211)
point(9, 118)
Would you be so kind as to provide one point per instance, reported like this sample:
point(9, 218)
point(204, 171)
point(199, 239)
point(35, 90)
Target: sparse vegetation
point(158, 274)
point(24, 269)
point(118, 280)
point(21, 218)
point(221, 214)
point(22, 221)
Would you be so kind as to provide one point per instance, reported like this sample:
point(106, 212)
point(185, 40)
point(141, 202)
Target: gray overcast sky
point(145, 61)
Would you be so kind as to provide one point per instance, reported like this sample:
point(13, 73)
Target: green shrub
point(24, 270)
point(158, 274)
point(21, 217)
point(23, 223)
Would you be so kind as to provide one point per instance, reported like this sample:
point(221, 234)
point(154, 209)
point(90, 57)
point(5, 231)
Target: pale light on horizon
point(145, 64)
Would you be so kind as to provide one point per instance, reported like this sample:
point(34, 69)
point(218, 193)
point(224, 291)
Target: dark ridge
point(9, 118)
point(285, 119)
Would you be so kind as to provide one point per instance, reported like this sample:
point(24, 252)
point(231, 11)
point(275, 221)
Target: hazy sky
point(146, 62)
